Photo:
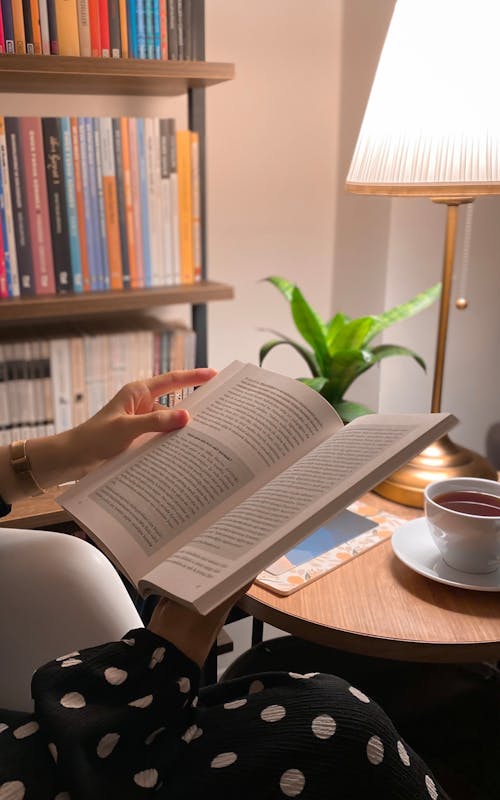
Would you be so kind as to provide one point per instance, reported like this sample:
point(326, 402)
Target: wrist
point(56, 459)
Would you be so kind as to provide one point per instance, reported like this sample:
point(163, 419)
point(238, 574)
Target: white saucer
point(413, 545)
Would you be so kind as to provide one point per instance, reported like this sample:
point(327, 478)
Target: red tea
point(478, 503)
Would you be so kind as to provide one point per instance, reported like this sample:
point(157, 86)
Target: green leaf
point(385, 350)
point(355, 333)
point(311, 327)
point(418, 303)
point(285, 287)
point(315, 383)
point(333, 329)
point(345, 366)
point(306, 354)
point(348, 410)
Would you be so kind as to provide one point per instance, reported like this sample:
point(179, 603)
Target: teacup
point(463, 515)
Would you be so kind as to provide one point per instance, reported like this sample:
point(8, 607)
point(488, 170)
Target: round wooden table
point(375, 605)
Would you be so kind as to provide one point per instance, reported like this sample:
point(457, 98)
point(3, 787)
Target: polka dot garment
point(126, 720)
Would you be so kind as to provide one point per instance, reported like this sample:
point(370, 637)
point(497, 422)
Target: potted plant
point(340, 350)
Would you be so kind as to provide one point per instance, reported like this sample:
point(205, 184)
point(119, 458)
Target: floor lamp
point(432, 129)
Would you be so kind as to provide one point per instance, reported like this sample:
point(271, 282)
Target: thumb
point(158, 421)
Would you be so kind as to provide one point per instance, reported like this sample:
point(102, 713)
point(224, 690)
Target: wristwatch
point(20, 463)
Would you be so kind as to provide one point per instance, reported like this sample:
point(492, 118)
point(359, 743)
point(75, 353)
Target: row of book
point(150, 29)
point(51, 382)
point(91, 204)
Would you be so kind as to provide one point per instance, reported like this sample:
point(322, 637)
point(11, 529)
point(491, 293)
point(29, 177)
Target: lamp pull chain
point(461, 302)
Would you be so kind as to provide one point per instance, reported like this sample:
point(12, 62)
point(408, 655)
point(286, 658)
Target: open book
point(265, 460)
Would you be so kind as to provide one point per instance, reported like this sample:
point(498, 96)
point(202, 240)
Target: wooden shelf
point(90, 303)
point(124, 76)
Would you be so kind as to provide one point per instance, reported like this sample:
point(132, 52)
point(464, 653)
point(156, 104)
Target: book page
point(308, 493)
point(247, 424)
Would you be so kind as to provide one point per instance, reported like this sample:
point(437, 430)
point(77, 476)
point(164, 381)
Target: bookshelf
point(23, 74)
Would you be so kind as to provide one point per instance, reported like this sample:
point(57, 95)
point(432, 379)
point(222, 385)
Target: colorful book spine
point(36, 27)
point(173, 51)
point(151, 140)
point(91, 209)
point(180, 30)
point(187, 30)
point(110, 199)
point(185, 205)
point(9, 238)
point(165, 206)
point(120, 198)
point(28, 28)
point(44, 26)
point(95, 28)
point(156, 29)
point(132, 247)
point(132, 28)
point(104, 274)
point(149, 28)
point(104, 28)
point(37, 205)
point(53, 32)
point(2, 33)
point(140, 22)
point(196, 206)
point(71, 209)
point(4, 289)
point(174, 199)
point(136, 191)
point(123, 28)
point(84, 27)
point(114, 28)
point(143, 185)
point(67, 27)
point(80, 204)
point(19, 205)
point(163, 31)
point(8, 26)
point(18, 19)
point(52, 138)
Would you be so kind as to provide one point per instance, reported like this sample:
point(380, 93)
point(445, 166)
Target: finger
point(161, 421)
point(179, 379)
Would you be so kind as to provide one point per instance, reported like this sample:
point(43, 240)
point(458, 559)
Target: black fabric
point(5, 508)
point(127, 719)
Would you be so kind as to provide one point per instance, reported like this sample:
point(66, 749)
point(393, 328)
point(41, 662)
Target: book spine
point(156, 29)
point(110, 201)
point(71, 209)
point(132, 28)
point(4, 289)
point(95, 28)
point(143, 183)
point(44, 27)
point(163, 30)
point(136, 190)
point(152, 178)
point(52, 137)
point(185, 205)
point(132, 247)
point(173, 50)
point(37, 205)
point(196, 206)
point(80, 205)
point(114, 28)
point(140, 23)
point(84, 27)
point(28, 28)
point(19, 34)
point(53, 32)
point(19, 206)
point(104, 28)
point(9, 238)
point(187, 30)
point(91, 211)
point(67, 27)
point(2, 33)
point(79, 394)
point(165, 208)
point(149, 25)
point(174, 199)
point(123, 28)
point(35, 26)
point(60, 359)
point(180, 30)
point(104, 277)
point(8, 26)
point(120, 197)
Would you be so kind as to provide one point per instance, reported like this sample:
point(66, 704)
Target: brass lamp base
point(442, 459)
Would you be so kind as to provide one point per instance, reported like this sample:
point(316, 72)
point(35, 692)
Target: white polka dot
point(405, 758)
point(3, 727)
point(192, 733)
point(157, 657)
point(431, 787)
point(142, 702)
point(255, 686)
point(68, 655)
point(73, 700)
point(107, 744)
point(146, 779)
point(223, 760)
point(272, 713)
point(375, 750)
point(311, 674)
point(152, 736)
point(184, 685)
point(12, 790)
point(296, 675)
point(130, 642)
point(53, 751)
point(323, 726)
point(115, 676)
point(235, 703)
point(195, 701)
point(359, 695)
point(62, 796)
point(71, 662)
point(26, 730)
point(292, 782)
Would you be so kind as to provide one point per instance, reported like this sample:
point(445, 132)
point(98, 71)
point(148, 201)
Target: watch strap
point(20, 463)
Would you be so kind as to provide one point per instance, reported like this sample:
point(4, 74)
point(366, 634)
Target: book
point(123, 28)
point(36, 27)
point(110, 203)
point(67, 27)
point(52, 136)
point(104, 274)
point(8, 235)
point(71, 205)
point(44, 27)
point(84, 27)
point(18, 196)
point(8, 26)
point(114, 28)
point(346, 536)
point(80, 203)
point(121, 201)
point(18, 20)
point(185, 195)
point(95, 28)
point(137, 275)
point(29, 40)
point(53, 32)
point(104, 28)
point(264, 461)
